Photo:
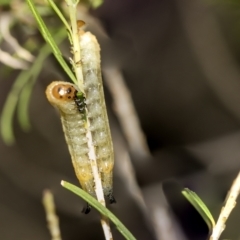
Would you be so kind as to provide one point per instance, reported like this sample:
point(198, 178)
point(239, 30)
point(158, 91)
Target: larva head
point(80, 23)
point(61, 91)
point(65, 92)
point(61, 94)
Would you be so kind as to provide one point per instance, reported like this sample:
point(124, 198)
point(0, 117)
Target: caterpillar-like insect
point(62, 95)
point(97, 113)
point(72, 107)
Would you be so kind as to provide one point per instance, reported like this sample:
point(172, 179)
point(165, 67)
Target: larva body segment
point(97, 114)
point(62, 96)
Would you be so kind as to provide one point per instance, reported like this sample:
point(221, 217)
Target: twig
point(227, 209)
point(52, 219)
point(12, 62)
point(75, 44)
point(5, 24)
point(92, 155)
point(98, 186)
point(126, 113)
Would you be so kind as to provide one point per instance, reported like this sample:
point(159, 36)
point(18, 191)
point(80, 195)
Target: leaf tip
point(63, 183)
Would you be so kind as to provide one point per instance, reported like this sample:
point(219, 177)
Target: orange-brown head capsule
point(62, 95)
point(64, 92)
point(59, 91)
point(81, 25)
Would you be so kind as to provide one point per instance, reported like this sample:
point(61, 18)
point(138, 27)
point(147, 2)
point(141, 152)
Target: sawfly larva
point(72, 106)
point(62, 95)
point(97, 113)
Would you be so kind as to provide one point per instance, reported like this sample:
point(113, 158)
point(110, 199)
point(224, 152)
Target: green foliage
point(5, 2)
point(100, 208)
point(200, 206)
point(92, 201)
point(49, 39)
point(20, 93)
point(59, 13)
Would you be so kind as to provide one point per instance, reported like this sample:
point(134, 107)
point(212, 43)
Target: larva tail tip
point(86, 209)
point(112, 199)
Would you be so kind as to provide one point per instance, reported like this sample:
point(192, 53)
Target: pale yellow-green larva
point(97, 114)
point(63, 96)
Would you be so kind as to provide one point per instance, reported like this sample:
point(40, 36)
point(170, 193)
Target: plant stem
point(52, 218)
point(77, 64)
point(98, 185)
point(104, 211)
point(124, 106)
point(227, 209)
point(76, 45)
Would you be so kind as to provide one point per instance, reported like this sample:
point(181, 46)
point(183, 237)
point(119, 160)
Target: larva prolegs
point(83, 172)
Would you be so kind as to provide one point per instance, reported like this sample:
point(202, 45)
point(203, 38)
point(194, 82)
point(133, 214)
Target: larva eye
point(64, 92)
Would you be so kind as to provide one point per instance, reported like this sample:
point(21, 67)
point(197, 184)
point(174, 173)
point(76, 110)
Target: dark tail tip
point(111, 199)
point(87, 209)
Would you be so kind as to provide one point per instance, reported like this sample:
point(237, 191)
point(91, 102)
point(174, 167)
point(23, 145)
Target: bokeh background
point(180, 60)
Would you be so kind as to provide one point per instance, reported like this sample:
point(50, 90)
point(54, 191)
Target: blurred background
point(176, 65)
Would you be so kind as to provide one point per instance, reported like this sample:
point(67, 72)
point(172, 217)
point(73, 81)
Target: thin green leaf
point(104, 211)
point(48, 38)
point(26, 92)
point(10, 106)
point(17, 93)
point(7, 119)
point(60, 15)
point(25, 95)
point(200, 206)
point(23, 103)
